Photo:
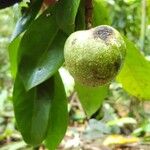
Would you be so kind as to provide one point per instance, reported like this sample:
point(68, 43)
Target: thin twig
point(88, 13)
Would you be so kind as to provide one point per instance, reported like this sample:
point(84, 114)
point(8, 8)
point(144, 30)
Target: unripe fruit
point(94, 56)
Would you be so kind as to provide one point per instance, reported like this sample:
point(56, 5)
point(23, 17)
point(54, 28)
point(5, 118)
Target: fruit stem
point(88, 13)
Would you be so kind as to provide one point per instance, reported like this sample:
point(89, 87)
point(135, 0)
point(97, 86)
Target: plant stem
point(88, 13)
point(143, 24)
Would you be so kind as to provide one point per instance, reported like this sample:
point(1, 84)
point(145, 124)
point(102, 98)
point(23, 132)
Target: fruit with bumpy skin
point(95, 56)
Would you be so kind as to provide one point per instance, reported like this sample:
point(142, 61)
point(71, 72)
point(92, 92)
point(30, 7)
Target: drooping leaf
point(27, 17)
point(32, 110)
point(66, 11)
point(13, 51)
point(100, 13)
point(135, 74)
point(91, 98)
point(21, 26)
point(38, 58)
point(44, 65)
point(80, 17)
point(58, 115)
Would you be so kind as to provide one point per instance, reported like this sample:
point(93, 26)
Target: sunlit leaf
point(68, 81)
point(119, 139)
point(135, 74)
point(91, 98)
point(13, 53)
point(100, 13)
point(58, 120)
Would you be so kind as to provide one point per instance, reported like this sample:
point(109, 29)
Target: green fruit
point(94, 57)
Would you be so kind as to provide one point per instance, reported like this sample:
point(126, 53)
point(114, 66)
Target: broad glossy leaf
point(66, 11)
point(21, 26)
point(13, 51)
point(100, 13)
point(41, 67)
point(27, 17)
point(91, 98)
point(32, 110)
point(135, 74)
point(58, 115)
point(38, 58)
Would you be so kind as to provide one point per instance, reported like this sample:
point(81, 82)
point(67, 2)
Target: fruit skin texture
point(95, 56)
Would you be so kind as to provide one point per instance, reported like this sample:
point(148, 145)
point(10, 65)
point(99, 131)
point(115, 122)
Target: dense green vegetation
point(126, 100)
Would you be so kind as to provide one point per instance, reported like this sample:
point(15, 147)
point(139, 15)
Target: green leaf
point(21, 26)
point(40, 54)
point(80, 18)
point(66, 11)
point(58, 115)
point(135, 74)
point(91, 98)
point(27, 17)
point(100, 13)
point(40, 67)
point(32, 110)
point(13, 53)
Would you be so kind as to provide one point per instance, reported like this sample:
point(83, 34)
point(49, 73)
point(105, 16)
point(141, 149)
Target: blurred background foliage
point(125, 114)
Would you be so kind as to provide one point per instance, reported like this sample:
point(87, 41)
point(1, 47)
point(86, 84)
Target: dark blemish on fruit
point(103, 32)
point(97, 75)
point(73, 41)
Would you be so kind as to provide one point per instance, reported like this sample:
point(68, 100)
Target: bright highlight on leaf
point(118, 139)
point(13, 53)
point(135, 74)
point(100, 13)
